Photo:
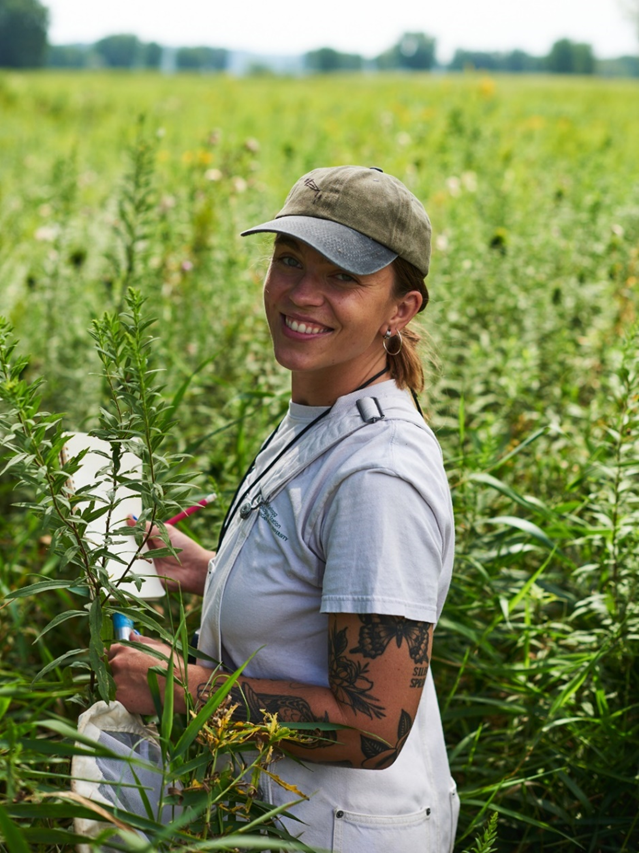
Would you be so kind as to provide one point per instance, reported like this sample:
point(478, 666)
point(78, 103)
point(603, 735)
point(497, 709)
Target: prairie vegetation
point(532, 185)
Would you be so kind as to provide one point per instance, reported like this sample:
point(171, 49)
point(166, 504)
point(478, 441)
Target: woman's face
point(327, 324)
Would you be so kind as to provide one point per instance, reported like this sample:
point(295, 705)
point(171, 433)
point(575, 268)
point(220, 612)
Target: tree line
point(24, 44)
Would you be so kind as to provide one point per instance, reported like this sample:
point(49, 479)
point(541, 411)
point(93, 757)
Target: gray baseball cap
point(360, 219)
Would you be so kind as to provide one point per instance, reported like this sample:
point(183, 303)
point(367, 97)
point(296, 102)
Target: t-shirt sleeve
point(383, 548)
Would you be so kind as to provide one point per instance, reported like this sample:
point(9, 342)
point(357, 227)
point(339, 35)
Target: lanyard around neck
point(238, 501)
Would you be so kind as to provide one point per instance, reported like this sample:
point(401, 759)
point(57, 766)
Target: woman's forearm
point(291, 703)
point(377, 668)
point(372, 717)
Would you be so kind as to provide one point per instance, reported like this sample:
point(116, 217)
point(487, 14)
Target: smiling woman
point(335, 557)
point(326, 324)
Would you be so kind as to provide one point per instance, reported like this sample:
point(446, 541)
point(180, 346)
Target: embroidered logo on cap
point(310, 183)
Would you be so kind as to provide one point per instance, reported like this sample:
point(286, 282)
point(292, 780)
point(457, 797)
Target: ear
point(404, 311)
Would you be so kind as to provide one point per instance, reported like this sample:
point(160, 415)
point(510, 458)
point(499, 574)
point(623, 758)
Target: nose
point(306, 291)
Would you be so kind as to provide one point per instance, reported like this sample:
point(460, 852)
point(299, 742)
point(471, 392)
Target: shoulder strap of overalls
point(366, 412)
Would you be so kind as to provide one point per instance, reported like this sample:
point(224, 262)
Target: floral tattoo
point(348, 678)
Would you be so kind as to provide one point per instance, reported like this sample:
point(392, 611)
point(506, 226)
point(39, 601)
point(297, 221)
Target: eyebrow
point(287, 241)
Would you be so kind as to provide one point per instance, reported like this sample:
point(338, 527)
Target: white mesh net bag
point(112, 781)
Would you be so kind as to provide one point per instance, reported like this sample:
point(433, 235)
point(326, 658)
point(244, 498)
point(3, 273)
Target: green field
point(532, 185)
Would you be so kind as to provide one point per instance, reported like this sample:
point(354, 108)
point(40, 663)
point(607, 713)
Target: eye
point(346, 277)
point(288, 261)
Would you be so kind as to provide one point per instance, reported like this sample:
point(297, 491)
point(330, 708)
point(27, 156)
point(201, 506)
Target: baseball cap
point(360, 219)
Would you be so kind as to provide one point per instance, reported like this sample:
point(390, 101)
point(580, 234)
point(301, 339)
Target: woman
point(336, 554)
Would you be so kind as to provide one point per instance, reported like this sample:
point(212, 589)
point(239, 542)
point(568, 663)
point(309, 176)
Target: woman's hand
point(130, 667)
point(188, 570)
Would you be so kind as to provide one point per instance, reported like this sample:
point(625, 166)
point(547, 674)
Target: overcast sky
point(295, 26)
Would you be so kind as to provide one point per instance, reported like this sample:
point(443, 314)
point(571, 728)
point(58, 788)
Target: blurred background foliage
point(532, 185)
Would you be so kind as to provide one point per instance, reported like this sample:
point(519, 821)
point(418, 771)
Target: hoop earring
point(387, 336)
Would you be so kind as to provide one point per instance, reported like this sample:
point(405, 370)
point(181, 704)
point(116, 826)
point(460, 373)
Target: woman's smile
point(305, 328)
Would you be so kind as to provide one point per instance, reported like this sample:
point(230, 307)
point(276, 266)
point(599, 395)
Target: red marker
point(186, 512)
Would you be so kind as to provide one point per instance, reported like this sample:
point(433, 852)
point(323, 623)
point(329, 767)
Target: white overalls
point(278, 574)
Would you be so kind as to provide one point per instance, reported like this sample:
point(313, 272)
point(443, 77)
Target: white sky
point(294, 26)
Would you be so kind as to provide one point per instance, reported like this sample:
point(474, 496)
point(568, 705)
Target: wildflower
point(166, 203)
point(87, 178)
point(454, 185)
point(47, 233)
point(252, 145)
point(403, 139)
point(487, 87)
point(213, 175)
point(441, 242)
point(534, 122)
point(469, 181)
point(239, 184)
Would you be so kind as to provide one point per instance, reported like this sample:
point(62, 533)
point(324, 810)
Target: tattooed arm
point(377, 669)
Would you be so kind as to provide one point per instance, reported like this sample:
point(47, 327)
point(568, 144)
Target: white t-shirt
point(365, 528)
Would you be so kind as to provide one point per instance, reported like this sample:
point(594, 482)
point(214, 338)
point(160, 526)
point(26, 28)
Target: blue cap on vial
point(122, 626)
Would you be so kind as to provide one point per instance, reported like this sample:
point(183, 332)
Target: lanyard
point(237, 501)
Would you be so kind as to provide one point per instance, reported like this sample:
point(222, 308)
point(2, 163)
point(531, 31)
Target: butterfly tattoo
point(378, 631)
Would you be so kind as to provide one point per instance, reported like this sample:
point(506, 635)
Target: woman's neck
point(310, 389)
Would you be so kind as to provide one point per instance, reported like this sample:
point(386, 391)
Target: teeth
point(303, 328)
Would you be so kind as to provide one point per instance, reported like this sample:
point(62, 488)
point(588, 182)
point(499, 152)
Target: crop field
point(110, 182)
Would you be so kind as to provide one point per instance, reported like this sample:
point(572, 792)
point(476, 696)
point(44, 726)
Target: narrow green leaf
point(40, 586)
point(96, 651)
point(166, 722)
point(154, 687)
point(525, 526)
point(506, 490)
point(12, 834)
point(181, 391)
point(59, 619)
point(192, 730)
point(67, 657)
point(527, 441)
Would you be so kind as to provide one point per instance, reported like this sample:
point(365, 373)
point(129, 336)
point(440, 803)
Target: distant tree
point(23, 33)
point(463, 59)
point(559, 60)
point(568, 57)
point(414, 51)
point(119, 51)
point(622, 66)
point(515, 62)
point(259, 69)
point(583, 59)
point(67, 56)
point(520, 61)
point(152, 54)
point(326, 59)
point(202, 58)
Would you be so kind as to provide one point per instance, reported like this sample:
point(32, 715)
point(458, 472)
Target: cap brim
point(350, 250)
